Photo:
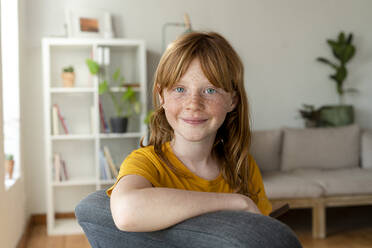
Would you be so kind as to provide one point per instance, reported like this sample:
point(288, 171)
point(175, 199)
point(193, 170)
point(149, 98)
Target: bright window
point(10, 82)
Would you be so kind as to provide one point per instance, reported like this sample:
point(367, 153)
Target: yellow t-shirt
point(145, 162)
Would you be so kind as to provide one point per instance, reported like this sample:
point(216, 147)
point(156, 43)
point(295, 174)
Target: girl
point(197, 160)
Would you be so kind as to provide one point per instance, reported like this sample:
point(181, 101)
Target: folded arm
point(136, 206)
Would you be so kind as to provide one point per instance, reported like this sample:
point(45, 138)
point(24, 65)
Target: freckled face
point(194, 107)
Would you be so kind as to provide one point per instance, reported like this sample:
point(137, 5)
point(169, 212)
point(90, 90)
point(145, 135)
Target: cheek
point(218, 106)
point(171, 107)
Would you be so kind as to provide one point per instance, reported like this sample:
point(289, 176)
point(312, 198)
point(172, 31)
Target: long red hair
point(224, 69)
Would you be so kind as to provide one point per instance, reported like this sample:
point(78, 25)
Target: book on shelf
point(55, 127)
point(110, 162)
point(56, 112)
point(103, 121)
point(60, 169)
point(105, 173)
point(56, 166)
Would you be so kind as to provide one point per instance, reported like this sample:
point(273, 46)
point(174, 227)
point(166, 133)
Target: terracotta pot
point(68, 79)
point(9, 166)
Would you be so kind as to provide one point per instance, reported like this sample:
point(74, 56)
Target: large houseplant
point(125, 102)
point(343, 50)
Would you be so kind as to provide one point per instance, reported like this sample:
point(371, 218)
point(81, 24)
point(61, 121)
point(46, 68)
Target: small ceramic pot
point(68, 79)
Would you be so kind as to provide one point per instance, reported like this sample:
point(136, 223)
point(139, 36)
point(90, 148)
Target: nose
point(194, 102)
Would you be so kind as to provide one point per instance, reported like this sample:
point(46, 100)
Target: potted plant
point(343, 50)
point(126, 103)
point(68, 76)
point(310, 115)
point(9, 165)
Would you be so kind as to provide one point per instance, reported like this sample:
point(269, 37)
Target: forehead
point(194, 72)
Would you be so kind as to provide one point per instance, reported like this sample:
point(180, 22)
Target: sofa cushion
point(323, 148)
point(287, 185)
point(347, 181)
point(366, 152)
point(265, 149)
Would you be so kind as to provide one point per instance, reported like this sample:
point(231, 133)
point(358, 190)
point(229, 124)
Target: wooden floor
point(349, 227)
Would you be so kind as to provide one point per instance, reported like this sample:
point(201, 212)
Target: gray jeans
point(217, 229)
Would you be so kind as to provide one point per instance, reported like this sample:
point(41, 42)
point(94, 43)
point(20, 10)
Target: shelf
point(66, 227)
point(72, 90)
point(73, 137)
point(120, 135)
point(123, 89)
point(75, 182)
point(80, 149)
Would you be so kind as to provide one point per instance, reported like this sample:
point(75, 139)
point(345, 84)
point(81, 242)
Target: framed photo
point(89, 23)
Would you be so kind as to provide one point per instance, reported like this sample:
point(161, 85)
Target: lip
point(194, 121)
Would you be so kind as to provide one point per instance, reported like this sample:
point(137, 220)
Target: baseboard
point(38, 219)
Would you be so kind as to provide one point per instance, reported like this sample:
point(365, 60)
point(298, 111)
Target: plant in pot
point(343, 50)
point(125, 103)
point(68, 76)
point(310, 115)
point(9, 165)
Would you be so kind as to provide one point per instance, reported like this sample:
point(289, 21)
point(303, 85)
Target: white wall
point(277, 40)
point(13, 215)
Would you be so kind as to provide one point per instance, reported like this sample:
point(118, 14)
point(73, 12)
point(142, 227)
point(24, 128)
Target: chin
point(194, 137)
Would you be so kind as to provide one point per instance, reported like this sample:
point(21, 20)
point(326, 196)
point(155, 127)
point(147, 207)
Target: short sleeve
point(138, 163)
point(261, 201)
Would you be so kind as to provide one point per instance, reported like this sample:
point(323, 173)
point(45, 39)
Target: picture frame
point(88, 23)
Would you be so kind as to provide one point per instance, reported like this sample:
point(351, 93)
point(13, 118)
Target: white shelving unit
point(81, 146)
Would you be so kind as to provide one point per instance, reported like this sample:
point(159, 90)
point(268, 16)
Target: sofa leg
point(319, 220)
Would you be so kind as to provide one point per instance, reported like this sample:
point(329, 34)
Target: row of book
point(58, 120)
point(60, 170)
point(108, 169)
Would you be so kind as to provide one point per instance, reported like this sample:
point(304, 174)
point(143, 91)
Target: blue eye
point(179, 89)
point(210, 91)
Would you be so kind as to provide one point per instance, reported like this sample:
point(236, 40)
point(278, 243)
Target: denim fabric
point(218, 229)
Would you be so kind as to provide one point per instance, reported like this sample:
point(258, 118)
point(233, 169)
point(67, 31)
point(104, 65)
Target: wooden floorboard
point(347, 227)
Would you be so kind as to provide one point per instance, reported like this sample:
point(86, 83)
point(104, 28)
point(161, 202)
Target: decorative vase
point(119, 124)
point(9, 166)
point(68, 79)
point(336, 115)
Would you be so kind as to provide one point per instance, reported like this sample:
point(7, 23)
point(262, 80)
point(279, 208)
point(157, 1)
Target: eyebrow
point(185, 82)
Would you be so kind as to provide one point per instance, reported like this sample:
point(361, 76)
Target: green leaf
point(128, 95)
point(93, 66)
point(326, 61)
point(349, 53)
point(116, 74)
point(137, 107)
point(332, 43)
point(341, 37)
point(350, 39)
point(103, 87)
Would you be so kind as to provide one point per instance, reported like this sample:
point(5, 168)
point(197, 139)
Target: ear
point(161, 99)
point(234, 101)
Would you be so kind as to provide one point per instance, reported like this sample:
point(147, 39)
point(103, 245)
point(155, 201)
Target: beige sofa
point(316, 168)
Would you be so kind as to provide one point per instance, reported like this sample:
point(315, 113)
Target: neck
point(195, 155)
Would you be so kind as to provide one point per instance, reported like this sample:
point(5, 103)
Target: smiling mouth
point(194, 122)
